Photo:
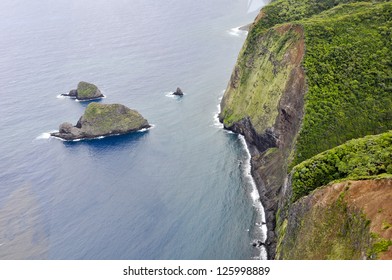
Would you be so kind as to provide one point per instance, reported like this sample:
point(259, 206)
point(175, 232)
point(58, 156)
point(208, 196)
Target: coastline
point(261, 221)
point(265, 198)
point(245, 27)
point(259, 200)
point(257, 195)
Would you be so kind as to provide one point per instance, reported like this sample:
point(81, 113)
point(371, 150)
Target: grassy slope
point(86, 90)
point(281, 11)
point(343, 234)
point(106, 118)
point(259, 92)
point(357, 159)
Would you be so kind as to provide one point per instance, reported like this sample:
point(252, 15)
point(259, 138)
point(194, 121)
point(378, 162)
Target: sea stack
point(103, 120)
point(178, 92)
point(84, 92)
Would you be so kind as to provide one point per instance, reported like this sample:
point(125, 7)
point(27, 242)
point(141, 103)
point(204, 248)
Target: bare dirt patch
point(373, 197)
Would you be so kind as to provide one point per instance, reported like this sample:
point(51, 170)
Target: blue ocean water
point(180, 190)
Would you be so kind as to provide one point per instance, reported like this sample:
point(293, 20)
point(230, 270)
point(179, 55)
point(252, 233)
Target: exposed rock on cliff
point(85, 91)
point(103, 120)
point(347, 220)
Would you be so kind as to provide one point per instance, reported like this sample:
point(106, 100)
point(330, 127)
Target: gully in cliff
point(103, 120)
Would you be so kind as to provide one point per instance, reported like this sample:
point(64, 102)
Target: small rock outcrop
point(85, 91)
point(103, 120)
point(257, 243)
point(178, 92)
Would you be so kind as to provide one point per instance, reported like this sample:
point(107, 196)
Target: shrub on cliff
point(357, 159)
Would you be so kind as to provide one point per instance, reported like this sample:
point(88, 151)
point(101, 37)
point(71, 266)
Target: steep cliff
point(310, 76)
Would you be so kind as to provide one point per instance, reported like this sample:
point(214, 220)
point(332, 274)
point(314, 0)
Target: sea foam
point(171, 95)
point(87, 100)
point(216, 121)
point(236, 31)
point(261, 227)
point(61, 96)
point(146, 129)
point(45, 135)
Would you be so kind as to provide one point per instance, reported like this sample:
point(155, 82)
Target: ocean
point(180, 190)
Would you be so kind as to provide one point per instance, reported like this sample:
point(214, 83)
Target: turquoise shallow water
point(177, 191)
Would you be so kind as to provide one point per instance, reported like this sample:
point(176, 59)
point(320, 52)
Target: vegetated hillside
point(367, 157)
point(310, 76)
point(278, 53)
point(349, 75)
point(349, 220)
point(346, 220)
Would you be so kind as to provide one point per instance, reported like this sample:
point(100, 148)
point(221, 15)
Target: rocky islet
point(85, 92)
point(103, 120)
point(178, 92)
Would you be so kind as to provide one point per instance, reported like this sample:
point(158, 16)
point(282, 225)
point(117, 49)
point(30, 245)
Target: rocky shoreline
point(267, 196)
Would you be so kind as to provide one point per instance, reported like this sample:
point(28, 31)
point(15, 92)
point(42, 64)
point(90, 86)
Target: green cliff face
point(260, 78)
point(312, 75)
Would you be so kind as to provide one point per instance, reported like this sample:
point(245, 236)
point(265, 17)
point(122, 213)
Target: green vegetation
point(331, 232)
point(348, 69)
point(282, 11)
point(101, 119)
point(258, 93)
point(349, 75)
point(347, 64)
point(379, 245)
point(87, 90)
point(281, 234)
point(385, 225)
point(357, 159)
